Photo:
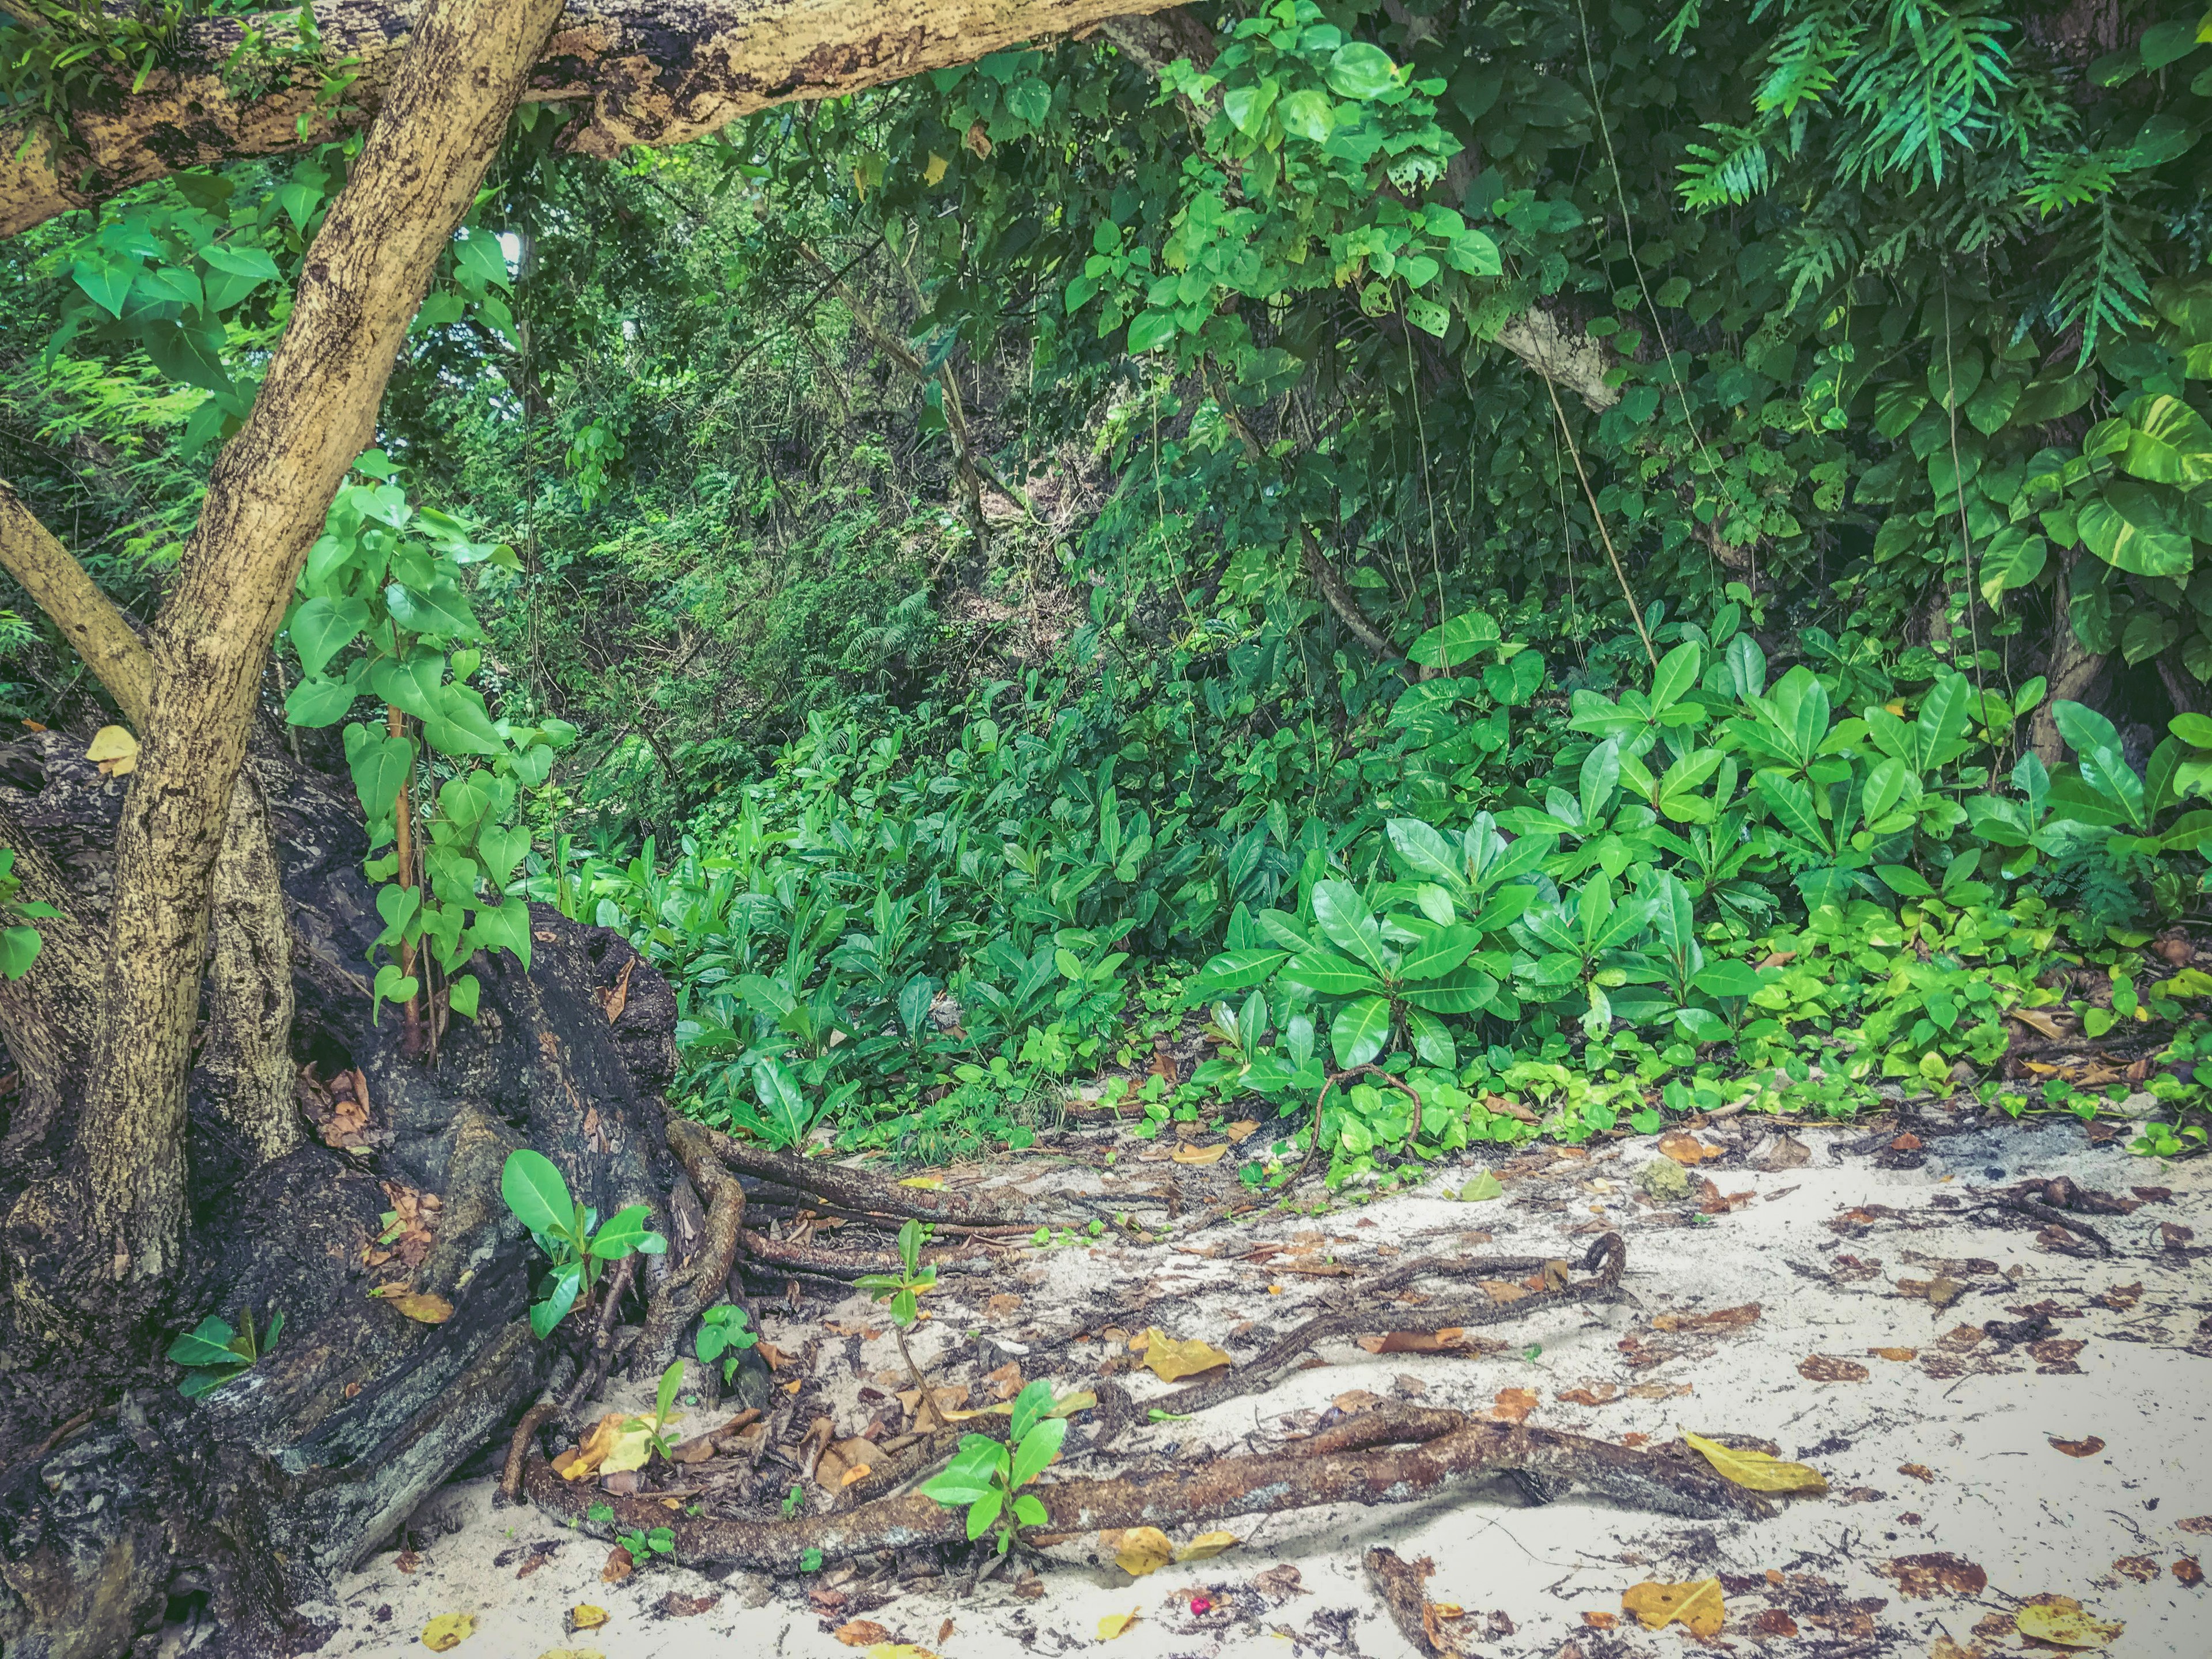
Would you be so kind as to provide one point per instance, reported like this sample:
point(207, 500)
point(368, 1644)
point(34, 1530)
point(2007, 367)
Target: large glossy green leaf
point(1329, 973)
point(1439, 953)
point(2133, 527)
point(2096, 747)
point(2168, 442)
point(536, 1192)
point(323, 627)
point(1344, 919)
point(1361, 70)
point(1358, 1031)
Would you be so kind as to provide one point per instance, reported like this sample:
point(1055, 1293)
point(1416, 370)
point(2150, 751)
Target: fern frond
point(1728, 173)
point(2104, 288)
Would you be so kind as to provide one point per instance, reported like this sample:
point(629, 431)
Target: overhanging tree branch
point(654, 72)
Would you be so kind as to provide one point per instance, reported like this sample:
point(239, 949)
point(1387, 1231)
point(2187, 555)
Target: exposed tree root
point(1603, 1261)
point(1547, 1462)
point(697, 1284)
point(865, 1193)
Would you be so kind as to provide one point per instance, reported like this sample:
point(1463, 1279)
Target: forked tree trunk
point(266, 504)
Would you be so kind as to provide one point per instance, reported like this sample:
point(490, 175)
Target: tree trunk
point(266, 502)
point(2074, 669)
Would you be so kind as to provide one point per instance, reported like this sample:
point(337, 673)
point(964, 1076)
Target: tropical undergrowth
point(1715, 886)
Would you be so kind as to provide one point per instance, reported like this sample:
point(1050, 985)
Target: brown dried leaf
point(676, 1604)
point(2087, 1448)
point(1413, 1341)
point(1918, 1472)
point(2187, 1571)
point(1513, 1405)
point(1719, 1319)
point(423, 1308)
point(862, 1633)
point(1921, 1577)
point(619, 1565)
point(1826, 1367)
point(1685, 1148)
point(1186, 1154)
point(1899, 1355)
point(2142, 1569)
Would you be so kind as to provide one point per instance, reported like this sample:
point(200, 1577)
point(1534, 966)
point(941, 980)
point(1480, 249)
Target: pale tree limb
point(247, 1055)
point(652, 72)
point(2074, 669)
point(266, 501)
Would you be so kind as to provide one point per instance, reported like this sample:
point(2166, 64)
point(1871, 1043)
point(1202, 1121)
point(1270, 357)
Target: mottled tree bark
point(266, 504)
point(653, 72)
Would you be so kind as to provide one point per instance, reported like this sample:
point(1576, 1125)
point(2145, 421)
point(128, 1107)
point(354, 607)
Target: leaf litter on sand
point(2063, 1621)
point(1757, 1469)
point(1697, 1606)
point(1115, 1623)
point(448, 1630)
point(1170, 1358)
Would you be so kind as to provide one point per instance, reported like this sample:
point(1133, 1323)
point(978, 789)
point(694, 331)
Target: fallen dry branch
point(857, 1190)
point(1546, 1461)
point(1603, 1263)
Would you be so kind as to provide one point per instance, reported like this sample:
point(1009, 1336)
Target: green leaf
point(1678, 672)
point(1309, 115)
point(2131, 526)
point(1485, 1185)
point(781, 1095)
point(1329, 973)
point(626, 1231)
point(207, 1343)
point(323, 627)
point(441, 613)
point(2012, 561)
point(1362, 71)
point(1439, 953)
point(1037, 1449)
point(984, 1512)
point(318, 703)
point(1032, 1406)
point(462, 995)
point(535, 1191)
point(381, 764)
point(2169, 443)
point(1358, 1031)
point(1150, 330)
point(19, 949)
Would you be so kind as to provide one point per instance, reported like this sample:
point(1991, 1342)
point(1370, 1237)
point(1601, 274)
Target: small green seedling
point(19, 941)
point(810, 1559)
point(901, 1289)
point(212, 1353)
point(724, 1335)
point(643, 1546)
point(792, 1500)
point(569, 1233)
point(988, 1477)
point(663, 1412)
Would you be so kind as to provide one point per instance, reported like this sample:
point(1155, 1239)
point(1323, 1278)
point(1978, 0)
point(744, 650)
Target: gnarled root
point(1302, 1478)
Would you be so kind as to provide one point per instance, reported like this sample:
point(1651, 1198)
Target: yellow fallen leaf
point(447, 1629)
point(1115, 1623)
point(2062, 1621)
point(1755, 1469)
point(1187, 1153)
point(926, 1183)
point(633, 1447)
point(572, 1653)
point(935, 170)
point(858, 1472)
point(1207, 1544)
point(897, 1650)
point(1142, 1550)
point(425, 1308)
point(117, 752)
point(1168, 1358)
point(1697, 1606)
point(585, 1616)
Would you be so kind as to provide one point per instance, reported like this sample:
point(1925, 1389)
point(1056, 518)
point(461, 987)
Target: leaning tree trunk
point(286, 1477)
